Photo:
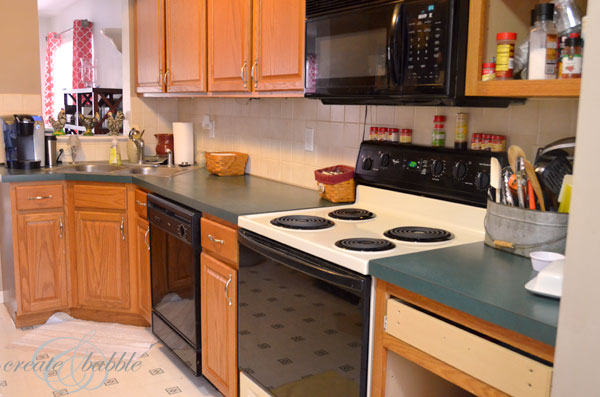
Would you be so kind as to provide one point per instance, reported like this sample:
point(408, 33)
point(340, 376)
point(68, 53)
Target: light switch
point(309, 139)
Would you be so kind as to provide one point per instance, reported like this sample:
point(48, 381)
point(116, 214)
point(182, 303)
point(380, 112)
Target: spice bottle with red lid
point(373, 133)
point(439, 131)
point(488, 71)
point(406, 136)
point(505, 55)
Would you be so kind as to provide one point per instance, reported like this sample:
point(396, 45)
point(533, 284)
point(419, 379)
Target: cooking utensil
point(555, 172)
point(507, 195)
point(535, 184)
point(520, 166)
point(564, 198)
point(495, 177)
point(514, 152)
point(530, 196)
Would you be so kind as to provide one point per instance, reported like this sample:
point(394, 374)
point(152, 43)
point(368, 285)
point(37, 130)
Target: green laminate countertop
point(224, 197)
point(478, 280)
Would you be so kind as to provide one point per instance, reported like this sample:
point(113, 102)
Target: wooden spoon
point(514, 152)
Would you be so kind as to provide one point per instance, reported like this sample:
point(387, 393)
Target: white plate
point(549, 281)
point(532, 287)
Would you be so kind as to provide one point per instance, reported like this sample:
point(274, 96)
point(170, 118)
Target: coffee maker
point(24, 142)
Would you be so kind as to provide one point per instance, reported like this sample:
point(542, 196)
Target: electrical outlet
point(208, 124)
point(309, 139)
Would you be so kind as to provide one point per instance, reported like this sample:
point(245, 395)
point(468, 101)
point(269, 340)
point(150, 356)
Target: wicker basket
point(226, 163)
point(336, 184)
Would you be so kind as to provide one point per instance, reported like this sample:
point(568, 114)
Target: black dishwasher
point(175, 271)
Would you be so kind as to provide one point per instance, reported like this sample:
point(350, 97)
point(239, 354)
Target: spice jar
point(505, 55)
point(476, 141)
point(406, 136)
point(488, 71)
point(572, 58)
point(543, 44)
point(382, 134)
point(373, 133)
point(439, 131)
point(460, 139)
point(393, 135)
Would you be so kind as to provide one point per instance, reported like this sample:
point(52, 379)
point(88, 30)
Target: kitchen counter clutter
point(226, 198)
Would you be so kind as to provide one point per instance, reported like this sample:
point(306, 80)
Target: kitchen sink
point(91, 168)
point(154, 171)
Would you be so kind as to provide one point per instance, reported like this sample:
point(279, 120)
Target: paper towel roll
point(183, 135)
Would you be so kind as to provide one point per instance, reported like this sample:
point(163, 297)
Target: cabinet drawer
point(141, 203)
point(220, 240)
point(105, 197)
point(487, 361)
point(39, 197)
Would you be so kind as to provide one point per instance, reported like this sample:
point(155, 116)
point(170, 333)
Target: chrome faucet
point(74, 143)
point(170, 162)
point(139, 144)
point(73, 153)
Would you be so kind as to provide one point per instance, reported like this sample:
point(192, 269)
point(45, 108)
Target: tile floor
point(160, 374)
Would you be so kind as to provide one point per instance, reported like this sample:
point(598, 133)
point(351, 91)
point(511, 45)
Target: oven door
point(357, 52)
point(303, 322)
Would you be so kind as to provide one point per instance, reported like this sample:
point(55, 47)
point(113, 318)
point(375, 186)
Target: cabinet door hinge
point(385, 323)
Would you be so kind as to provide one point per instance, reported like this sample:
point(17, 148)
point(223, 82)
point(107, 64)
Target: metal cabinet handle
point(254, 76)
point(123, 228)
point(40, 197)
point(160, 76)
point(138, 202)
point(243, 74)
point(227, 291)
point(146, 238)
point(215, 240)
point(167, 77)
point(61, 226)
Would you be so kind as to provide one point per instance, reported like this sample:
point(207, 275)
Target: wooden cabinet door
point(42, 263)
point(186, 45)
point(142, 231)
point(278, 45)
point(219, 324)
point(150, 44)
point(102, 260)
point(229, 45)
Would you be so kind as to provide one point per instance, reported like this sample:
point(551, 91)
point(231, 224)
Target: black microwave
point(411, 52)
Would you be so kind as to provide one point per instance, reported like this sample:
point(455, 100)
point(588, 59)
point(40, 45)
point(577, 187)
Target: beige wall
point(19, 47)
point(578, 347)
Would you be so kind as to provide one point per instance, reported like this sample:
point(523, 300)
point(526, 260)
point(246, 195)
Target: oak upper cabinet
point(186, 45)
point(150, 45)
point(278, 45)
point(229, 45)
point(102, 260)
point(219, 324)
point(142, 231)
point(41, 262)
point(170, 45)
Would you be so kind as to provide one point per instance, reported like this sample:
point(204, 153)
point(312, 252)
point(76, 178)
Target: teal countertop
point(224, 197)
point(478, 280)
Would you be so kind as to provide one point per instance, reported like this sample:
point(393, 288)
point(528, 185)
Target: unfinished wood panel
point(110, 197)
point(489, 362)
point(150, 45)
point(250, 389)
point(278, 45)
point(229, 45)
point(185, 36)
point(39, 197)
point(219, 325)
point(220, 240)
point(102, 260)
point(42, 266)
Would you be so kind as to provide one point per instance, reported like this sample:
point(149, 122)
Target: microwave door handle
point(395, 46)
point(286, 257)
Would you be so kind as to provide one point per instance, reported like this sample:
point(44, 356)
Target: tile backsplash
point(271, 131)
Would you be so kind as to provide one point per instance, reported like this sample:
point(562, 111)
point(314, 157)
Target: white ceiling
point(48, 8)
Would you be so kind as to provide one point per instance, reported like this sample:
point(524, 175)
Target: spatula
point(495, 177)
point(514, 152)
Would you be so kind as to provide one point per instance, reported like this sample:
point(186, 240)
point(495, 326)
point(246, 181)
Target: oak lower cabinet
point(102, 260)
point(219, 289)
point(42, 262)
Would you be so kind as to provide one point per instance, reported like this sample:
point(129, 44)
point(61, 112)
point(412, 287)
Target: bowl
point(541, 259)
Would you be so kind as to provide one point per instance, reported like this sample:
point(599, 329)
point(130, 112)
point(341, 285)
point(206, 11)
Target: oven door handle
point(395, 46)
point(302, 262)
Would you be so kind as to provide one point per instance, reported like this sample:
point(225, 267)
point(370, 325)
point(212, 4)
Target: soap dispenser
point(115, 153)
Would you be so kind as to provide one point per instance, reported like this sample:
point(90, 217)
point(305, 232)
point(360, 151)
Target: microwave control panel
point(426, 32)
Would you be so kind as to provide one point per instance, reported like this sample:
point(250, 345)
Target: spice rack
point(478, 47)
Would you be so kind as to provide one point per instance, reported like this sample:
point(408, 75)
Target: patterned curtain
point(83, 54)
point(53, 42)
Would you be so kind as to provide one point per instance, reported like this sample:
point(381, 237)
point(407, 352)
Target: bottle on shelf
point(543, 44)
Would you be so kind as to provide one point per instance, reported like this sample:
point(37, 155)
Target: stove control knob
point(437, 168)
point(459, 171)
point(482, 181)
point(385, 160)
point(367, 164)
